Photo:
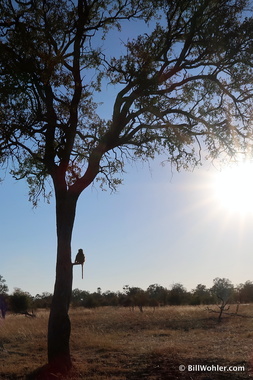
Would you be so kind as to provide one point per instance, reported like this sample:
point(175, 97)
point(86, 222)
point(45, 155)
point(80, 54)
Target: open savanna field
point(117, 343)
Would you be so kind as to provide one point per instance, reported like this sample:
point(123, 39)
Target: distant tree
point(110, 298)
point(20, 301)
point(99, 290)
point(80, 298)
point(185, 82)
point(245, 292)
point(178, 294)
point(201, 295)
point(92, 300)
point(223, 290)
point(139, 297)
point(76, 298)
point(43, 300)
point(133, 296)
point(157, 293)
point(3, 286)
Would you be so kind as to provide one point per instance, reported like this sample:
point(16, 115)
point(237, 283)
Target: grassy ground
point(119, 344)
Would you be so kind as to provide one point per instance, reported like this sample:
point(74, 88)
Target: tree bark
point(59, 326)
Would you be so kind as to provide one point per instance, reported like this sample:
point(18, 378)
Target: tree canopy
point(183, 83)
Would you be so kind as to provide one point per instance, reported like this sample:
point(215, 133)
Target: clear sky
point(158, 228)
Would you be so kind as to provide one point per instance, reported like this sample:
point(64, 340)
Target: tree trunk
point(59, 326)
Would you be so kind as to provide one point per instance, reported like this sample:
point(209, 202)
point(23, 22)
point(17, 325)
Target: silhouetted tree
point(80, 298)
point(184, 82)
point(43, 300)
point(110, 298)
point(132, 297)
point(20, 301)
point(157, 293)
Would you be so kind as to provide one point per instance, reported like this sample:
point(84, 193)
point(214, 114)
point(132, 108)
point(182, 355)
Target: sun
point(233, 187)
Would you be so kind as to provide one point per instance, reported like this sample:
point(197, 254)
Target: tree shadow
point(51, 372)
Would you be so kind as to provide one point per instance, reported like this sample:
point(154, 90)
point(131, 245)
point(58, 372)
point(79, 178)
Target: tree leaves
point(183, 83)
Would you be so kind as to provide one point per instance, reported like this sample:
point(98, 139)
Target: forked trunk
point(59, 326)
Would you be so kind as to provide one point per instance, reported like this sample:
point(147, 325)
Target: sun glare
point(234, 188)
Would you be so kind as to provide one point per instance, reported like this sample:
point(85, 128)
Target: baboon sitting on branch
point(80, 259)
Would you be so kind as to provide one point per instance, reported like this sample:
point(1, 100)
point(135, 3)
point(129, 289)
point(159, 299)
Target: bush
point(20, 301)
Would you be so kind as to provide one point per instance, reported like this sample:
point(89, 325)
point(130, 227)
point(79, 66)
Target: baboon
point(80, 258)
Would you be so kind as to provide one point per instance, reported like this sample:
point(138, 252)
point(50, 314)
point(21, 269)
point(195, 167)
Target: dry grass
point(117, 344)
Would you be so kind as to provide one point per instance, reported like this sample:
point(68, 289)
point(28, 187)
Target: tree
point(245, 292)
point(80, 298)
point(184, 83)
point(201, 295)
point(133, 296)
point(110, 298)
point(157, 294)
point(223, 290)
point(20, 301)
point(3, 287)
point(177, 295)
point(42, 300)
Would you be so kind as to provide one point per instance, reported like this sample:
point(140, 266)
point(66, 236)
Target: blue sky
point(158, 228)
